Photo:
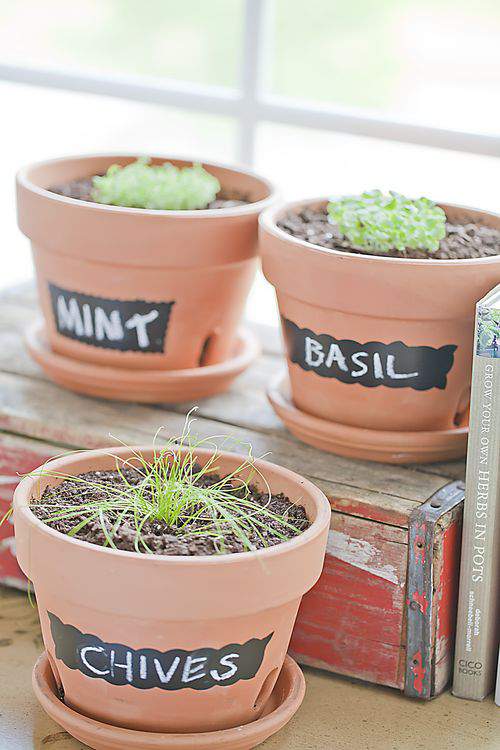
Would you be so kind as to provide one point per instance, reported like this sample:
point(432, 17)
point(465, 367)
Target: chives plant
point(378, 223)
point(167, 489)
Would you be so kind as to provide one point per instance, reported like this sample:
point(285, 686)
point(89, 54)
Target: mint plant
point(377, 223)
point(164, 186)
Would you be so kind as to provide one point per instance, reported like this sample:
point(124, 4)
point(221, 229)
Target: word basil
point(394, 365)
point(127, 325)
point(147, 668)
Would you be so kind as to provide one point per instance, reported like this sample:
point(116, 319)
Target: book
point(476, 646)
point(497, 691)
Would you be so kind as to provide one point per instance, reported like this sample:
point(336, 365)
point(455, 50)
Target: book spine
point(476, 648)
point(497, 691)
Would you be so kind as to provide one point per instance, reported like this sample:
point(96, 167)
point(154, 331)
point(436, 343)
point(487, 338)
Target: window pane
point(308, 163)
point(432, 61)
point(187, 40)
point(80, 123)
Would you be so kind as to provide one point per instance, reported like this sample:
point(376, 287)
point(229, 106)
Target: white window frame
point(250, 104)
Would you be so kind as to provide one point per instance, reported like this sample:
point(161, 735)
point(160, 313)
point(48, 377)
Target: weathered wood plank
point(451, 469)
point(42, 410)
point(245, 403)
point(446, 557)
point(18, 456)
point(352, 621)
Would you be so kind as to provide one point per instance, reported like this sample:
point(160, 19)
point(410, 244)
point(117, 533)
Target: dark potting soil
point(468, 240)
point(158, 536)
point(82, 191)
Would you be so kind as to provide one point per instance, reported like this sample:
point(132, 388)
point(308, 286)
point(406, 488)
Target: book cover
point(476, 647)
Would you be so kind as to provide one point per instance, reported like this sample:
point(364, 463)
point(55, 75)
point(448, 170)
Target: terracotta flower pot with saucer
point(131, 292)
point(160, 650)
point(379, 349)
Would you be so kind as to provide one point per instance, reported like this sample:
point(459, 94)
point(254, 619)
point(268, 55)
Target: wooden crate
point(355, 620)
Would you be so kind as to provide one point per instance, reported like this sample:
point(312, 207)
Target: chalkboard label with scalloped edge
point(126, 325)
point(146, 668)
point(394, 365)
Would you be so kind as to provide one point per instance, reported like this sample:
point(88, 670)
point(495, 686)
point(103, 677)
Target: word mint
point(127, 325)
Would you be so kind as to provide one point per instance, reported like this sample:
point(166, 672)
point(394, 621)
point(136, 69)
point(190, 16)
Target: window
point(324, 97)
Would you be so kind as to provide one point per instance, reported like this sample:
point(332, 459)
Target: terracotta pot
point(135, 288)
point(113, 622)
point(407, 323)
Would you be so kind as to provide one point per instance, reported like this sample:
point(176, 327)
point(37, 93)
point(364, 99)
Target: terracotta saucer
point(283, 703)
point(356, 442)
point(145, 386)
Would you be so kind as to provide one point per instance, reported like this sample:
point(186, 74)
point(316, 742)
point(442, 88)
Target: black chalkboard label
point(394, 365)
point(127, 325)
point(146, 668)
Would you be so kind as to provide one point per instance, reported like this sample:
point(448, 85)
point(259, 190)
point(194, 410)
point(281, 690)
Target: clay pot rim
point(23, 180)
point(25, 490)
point(268, 222)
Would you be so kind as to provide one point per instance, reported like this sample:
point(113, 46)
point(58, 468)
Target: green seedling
point(156, 186)
point(168, 490)
point(377, 223)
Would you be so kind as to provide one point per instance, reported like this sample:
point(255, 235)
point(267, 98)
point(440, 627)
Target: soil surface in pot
point(467, 240)
point(82, 190)
point(160, 538)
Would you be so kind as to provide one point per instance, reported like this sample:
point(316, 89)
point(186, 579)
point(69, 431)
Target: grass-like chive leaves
point(168, 490)
point(156, 186)
point(377, 222)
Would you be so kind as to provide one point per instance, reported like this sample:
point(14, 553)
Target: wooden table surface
point(337, 713)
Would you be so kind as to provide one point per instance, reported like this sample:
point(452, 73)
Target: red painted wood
point(352, 621)
point(390, 516)
point(15, 460)
point(378, 663)
point(446, 596)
